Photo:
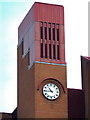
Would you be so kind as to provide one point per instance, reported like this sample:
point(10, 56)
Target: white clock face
point(51, 91)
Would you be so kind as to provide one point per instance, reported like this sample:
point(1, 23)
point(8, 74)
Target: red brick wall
point(76, 104)
point(31, 102)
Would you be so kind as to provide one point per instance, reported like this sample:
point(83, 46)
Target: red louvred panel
point(36, 12)
point(61, 15)
point(49, 13)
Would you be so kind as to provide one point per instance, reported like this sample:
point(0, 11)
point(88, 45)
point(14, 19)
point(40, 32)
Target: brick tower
point(42, 84)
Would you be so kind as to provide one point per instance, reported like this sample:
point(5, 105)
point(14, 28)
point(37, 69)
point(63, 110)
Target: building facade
point(42, 82)
point(85, 69)
point(5, 116)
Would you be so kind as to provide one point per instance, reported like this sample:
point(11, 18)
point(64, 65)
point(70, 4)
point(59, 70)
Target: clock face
point(51, 91)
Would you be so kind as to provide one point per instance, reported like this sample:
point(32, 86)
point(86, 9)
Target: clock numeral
point(50, 84)
point(54, 85)
point(51, 97)
point(44, 90)
point(54, 96)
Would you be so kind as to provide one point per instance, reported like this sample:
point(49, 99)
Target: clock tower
point(42, 82)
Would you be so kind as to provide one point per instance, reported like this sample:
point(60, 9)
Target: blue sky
point(11, 14)
point(76, 44)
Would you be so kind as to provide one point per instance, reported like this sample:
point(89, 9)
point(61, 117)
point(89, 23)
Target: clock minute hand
point(50, 90)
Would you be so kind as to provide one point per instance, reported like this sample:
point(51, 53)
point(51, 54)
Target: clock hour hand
point(47, 91)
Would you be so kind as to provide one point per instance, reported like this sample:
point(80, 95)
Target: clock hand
point(50, 90)
point(47, 91)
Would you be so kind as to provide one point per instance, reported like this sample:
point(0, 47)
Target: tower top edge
point(47, 4)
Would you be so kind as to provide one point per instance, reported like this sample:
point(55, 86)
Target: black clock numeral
point(50, 84)
point(53, 85)
point(56, 94)
point(51, 97)
point(44, 90)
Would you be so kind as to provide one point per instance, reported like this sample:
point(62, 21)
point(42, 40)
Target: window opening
point(53, 33)
point(58, 55)
point(50, 51)
point(54, 55)
point(28, 56)
point(41, 50)
point(49, 33)
point(41, 32)
point(57, 34)
point(45, 32)
point(45, 50)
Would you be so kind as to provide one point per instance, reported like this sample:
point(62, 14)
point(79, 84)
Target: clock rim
point(58, 88)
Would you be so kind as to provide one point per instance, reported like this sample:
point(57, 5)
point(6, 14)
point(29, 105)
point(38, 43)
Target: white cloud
point(10, 95)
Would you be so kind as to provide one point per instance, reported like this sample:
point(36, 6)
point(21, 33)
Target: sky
point(12, 13)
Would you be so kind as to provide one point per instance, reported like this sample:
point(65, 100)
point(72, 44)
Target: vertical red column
point(62, 44)
point(47, 41)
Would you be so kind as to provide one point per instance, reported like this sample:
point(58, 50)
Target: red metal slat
point(53, 14)
point(40, 12)
point(49, 11)
point(61, 15)
point(43, 12)
point(57, 14)
point(36, 12)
